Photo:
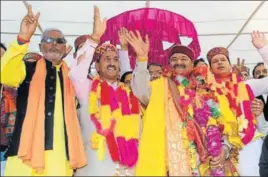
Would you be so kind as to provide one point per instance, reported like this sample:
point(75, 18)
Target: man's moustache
point(109, 66)
point(179, 66)
point(261, 76)
point(54, 50)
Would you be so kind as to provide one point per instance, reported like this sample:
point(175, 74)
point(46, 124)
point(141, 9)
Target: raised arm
point(258, 86)
point(141, 77)
point(261, 43)
point(264, 54)
point(123, 52)
point(13, 71)
point(78, 73)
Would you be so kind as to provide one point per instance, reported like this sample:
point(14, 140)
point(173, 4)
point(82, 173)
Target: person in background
point(245, 73)
point(199, 62)
point(126, 79)
point(260, 71)
point(155, 70)
point(8, 114)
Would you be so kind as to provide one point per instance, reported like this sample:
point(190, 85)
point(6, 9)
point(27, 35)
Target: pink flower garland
point(128, 148)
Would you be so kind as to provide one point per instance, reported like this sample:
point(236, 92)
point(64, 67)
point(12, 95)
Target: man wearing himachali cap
point(239, 95)
point(172, 141)
point(109, 112)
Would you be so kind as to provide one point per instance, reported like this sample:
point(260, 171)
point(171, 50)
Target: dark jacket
point(265, 109)
point(22, 98)
point(264, 159)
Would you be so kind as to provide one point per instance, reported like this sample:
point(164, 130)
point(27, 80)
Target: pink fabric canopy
point(160, 25)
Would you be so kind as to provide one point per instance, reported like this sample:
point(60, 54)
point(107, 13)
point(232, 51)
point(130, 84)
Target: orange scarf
point(32, 144)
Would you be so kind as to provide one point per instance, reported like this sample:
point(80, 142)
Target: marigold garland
point(115, 114)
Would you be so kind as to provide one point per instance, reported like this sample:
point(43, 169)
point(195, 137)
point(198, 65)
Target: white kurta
point(249, 156)
point(94, 166)
point(82, 85)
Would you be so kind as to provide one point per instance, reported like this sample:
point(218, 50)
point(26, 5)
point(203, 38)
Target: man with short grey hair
point(47, 140)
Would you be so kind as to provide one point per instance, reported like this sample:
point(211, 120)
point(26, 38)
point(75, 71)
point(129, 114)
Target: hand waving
point(122, 34)
point(140, 46)
point(29, 24)
point(99, 26)
point(258, 39)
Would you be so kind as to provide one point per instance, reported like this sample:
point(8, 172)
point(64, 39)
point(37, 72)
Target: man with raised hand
point(47, 139)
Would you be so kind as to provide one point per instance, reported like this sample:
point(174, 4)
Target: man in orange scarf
point(47, 139)
point(221, 68)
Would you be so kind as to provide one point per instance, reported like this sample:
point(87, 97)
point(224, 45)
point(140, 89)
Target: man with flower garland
point(173, 142)
point(239, 96)
point(109, 115)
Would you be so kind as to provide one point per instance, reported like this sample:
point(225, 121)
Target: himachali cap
point(32, 55)
point(100, 50)
point(216, 51)
point(80, 40)
point(177, 48)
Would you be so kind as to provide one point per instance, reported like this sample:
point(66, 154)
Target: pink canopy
point(160, 25)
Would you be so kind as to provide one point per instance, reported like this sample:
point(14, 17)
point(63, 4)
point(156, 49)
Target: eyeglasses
point(50, 40)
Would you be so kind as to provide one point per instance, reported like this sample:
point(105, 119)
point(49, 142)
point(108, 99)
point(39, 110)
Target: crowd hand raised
point(257, 107)
point(258, 39)
point(28, 24)
point(122, 34)
point(99, 25)
point(238, 68)
point(140, 46)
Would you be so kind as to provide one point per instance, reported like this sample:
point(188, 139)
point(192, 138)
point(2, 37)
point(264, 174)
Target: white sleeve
point(262, 124)
point(258, 86)
point(78, 73)
point(141, 83)
point(264, 54)
point(124, 62)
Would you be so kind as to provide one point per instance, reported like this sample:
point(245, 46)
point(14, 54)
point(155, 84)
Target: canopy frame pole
point(26, 4)
point(147, 4)
point(246, 23)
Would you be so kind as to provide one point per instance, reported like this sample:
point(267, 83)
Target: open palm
point(122, 34)
point(140, 46)
point(258, 39)
point(99, 25)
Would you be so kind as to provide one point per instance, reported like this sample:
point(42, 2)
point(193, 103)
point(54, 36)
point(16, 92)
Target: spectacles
point(50, 40)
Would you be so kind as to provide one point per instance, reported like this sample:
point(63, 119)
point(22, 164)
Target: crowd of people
point(194, 117)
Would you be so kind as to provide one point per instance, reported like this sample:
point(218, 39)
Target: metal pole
point(248, 20)
point(26, 6)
